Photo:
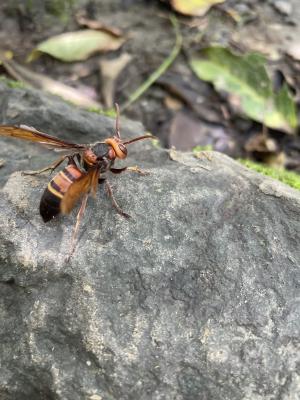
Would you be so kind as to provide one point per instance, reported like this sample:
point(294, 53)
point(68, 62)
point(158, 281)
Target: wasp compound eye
point(122, 148)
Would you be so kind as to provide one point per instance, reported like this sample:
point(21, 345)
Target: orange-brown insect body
point(56, 189)
point(100, 155)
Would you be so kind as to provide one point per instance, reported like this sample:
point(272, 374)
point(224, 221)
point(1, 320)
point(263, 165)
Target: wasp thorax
point(100, 150)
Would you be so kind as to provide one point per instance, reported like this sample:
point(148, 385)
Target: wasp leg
point(114, 202)
point(76, 228)
point(51, 167)
point(131, 169)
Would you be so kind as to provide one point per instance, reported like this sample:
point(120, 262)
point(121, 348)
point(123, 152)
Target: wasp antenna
point(139, 138)
point(117, 120)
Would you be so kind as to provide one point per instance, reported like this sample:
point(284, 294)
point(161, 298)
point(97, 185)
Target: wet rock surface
point(195, 297)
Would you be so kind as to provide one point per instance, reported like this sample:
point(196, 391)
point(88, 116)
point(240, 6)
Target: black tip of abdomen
point(49, 206)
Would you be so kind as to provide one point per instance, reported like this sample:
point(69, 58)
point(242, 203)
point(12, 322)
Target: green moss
point(208, 147)
point(12, 83)
point(94, 110)
point(108, 113)
point(290, 178)
point(156, 143)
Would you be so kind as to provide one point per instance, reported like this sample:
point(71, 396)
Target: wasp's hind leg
point(51, 167)
point(77, 225)
point(114, 202)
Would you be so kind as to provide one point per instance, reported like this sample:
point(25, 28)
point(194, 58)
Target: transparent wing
point(27, 133)
point(87, 183)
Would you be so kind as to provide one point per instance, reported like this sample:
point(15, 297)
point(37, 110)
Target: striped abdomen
point(55, 191)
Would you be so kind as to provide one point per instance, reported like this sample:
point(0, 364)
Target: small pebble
point(284, 7)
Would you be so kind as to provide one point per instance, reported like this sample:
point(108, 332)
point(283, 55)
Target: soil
point(181, 110)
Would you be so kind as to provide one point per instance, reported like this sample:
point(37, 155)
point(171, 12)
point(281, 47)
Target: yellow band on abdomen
point(54, 191)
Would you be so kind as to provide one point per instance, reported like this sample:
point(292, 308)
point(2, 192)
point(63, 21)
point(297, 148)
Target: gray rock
point(195, 297)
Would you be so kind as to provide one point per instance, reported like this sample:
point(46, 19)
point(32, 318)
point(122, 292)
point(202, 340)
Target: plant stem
point(160, 70)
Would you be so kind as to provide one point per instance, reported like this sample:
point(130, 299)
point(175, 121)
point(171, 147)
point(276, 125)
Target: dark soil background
point(179, 108)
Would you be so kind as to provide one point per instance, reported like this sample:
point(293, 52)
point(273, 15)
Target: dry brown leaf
point(265, 149)
point(84, 21)
point(261, 143)
point(275, 160)
point(40, 81)
point(173, 103)
point(110, 70)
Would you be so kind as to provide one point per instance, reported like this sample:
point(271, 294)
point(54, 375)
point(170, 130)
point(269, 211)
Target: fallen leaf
point(195, 8)
point(278, 160)
point(173, 103)
point(40, 81)
point(250, 89)
point(83, 20)
point(265, 149)
point(261, 143)
point(77, 46)
point(110, 70)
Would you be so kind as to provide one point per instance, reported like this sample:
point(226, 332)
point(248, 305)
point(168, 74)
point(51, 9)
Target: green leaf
point(77, 46)
point(195, 8)
point(245, 78)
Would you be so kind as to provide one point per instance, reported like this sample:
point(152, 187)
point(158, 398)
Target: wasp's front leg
point(130, 169)
point(114, 202)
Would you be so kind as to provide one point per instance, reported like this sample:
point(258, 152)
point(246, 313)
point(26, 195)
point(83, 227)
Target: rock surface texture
point(195, 297)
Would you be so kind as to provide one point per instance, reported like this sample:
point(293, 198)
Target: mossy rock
point(290, 178)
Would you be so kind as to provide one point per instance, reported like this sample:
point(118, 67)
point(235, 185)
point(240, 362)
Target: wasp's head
point(117, 149)
point(117, 146)
point(111, 149)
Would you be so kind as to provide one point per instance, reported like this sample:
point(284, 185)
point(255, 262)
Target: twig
point(160, 70)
